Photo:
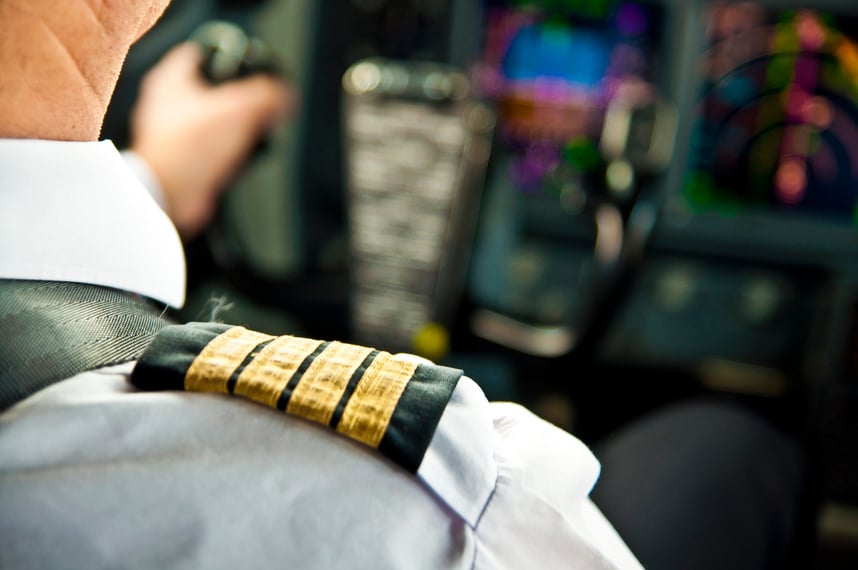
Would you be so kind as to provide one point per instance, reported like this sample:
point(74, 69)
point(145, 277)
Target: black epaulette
point(386, 401)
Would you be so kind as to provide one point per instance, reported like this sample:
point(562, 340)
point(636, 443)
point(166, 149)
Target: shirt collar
point(72, 211)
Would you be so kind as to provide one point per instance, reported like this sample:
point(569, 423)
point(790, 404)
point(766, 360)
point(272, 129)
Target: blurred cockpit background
point(594, 207)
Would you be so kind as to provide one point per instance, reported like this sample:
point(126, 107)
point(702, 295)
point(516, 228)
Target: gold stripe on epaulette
point(368, 411)
point(325, 381)
point(267, 375)
point(211, 369)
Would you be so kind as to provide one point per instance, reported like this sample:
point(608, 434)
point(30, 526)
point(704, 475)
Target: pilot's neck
point(58, 68)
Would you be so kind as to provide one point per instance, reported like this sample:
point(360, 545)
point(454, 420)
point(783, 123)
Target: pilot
point(372, 461)
point(128, 441)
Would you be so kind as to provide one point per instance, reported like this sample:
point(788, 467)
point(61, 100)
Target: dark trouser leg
point(702, 486)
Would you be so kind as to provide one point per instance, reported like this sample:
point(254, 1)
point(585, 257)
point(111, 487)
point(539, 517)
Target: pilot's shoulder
point(392, 402)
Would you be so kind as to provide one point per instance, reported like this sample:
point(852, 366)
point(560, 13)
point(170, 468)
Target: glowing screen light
point(778, 118)
point(553, 67)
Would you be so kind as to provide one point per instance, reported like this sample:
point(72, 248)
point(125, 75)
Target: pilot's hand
point(195, 136)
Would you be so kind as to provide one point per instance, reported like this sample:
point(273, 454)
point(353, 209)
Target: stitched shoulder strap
point(50, 331)
point(392, 402)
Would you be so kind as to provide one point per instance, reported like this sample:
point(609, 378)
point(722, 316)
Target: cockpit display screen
point(553, 68)
point(777, 119)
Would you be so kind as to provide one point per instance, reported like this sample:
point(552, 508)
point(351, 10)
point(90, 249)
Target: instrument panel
point(776, 128)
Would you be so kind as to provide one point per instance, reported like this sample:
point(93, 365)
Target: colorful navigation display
point(553, 68)
point(777, 128)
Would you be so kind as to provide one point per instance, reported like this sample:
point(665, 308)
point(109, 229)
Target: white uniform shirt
point(96, 474)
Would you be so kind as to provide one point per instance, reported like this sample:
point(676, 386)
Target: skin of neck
point(60, 60)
